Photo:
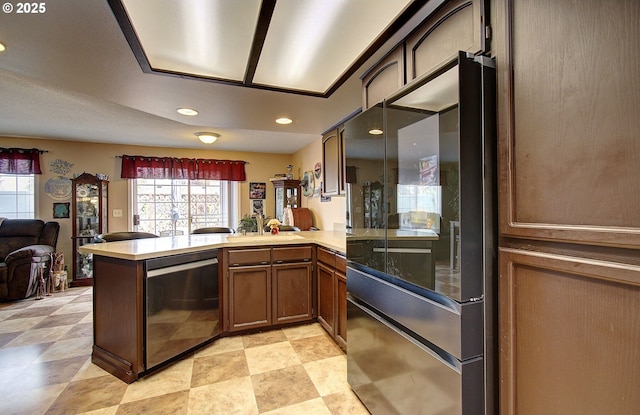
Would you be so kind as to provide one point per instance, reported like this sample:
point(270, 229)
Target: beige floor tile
point(63, 349)
point(89, 370)
point(20, 324)
point(345, 403)
point(175, 403)
point(310, 407)
point(110, 410)
point(263, 338)
point(22, 355)
point(36, 402)
point(217, 368)
point(283, 387)
point(173, 378)
point(271, 357)
point(220, 346)
point(73, 307)
point(329, 375)
point(315, 348)
point(233, 396)
point(88, 395)
point(35, 336)
point(307, 330)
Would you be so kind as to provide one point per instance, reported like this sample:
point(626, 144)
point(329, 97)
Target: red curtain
point(143, 167)
point(20, 161)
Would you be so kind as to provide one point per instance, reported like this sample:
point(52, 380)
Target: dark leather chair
point(213, 229)
point(26, 246)
point(123, 236)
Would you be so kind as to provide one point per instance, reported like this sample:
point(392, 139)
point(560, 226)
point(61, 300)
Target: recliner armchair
point(25, 246)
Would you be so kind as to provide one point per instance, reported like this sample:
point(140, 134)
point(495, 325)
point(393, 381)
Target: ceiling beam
point(262, 27)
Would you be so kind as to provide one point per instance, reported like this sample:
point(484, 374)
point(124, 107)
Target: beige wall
point(326, 215)
point(101, 158)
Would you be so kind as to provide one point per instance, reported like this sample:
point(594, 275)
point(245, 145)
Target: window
point(179, 206)
point(17, 196)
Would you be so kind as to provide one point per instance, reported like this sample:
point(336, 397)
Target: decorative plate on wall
point(307, 183)
point(58, 188)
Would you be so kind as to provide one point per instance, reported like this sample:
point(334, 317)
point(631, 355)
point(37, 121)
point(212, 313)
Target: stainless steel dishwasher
point(182, 304)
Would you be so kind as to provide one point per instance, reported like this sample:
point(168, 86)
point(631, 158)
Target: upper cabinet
point(386, 77)
point(333, 162)
point(459, 25)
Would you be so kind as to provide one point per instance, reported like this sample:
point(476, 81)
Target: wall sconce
point(208, 138)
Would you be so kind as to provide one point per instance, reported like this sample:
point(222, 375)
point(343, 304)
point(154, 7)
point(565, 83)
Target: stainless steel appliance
point(182, 304)
point(421, 281)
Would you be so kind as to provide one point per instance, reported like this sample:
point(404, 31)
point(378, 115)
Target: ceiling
point(79, 72)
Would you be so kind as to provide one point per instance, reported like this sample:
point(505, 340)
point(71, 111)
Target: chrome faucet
point(260, 222)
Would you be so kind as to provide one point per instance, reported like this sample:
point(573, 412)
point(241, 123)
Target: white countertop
point(140, 249)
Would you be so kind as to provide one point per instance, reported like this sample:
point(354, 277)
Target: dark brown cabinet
point(332, 294)
point(269, 286)
point(89, 213)
point(287, 193)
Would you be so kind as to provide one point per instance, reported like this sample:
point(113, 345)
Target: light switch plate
point(117, 213)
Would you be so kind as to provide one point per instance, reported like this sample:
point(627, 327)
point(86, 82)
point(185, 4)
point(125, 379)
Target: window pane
point(17, 196)
point(178, 207)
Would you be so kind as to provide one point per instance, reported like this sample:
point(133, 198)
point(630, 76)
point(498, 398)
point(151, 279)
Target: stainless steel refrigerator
point(421, 245)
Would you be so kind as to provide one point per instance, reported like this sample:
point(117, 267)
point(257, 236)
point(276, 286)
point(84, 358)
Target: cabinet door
point(331, 164)
point(326, 292)
point(292, 299)
point(341, 302)
point(249, 297)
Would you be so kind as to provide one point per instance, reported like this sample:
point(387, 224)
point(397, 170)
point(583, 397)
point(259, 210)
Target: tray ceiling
point(309, 47)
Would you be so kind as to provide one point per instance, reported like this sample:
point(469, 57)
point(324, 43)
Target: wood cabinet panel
point(386, 77)
point(292, 254)
point(569, 122)
point(249, 297)
point(326, 298)
point(292, 292)
point(118, 332)
point(326, 256)
point(249, 256)
point(331, 163)
point(341, 308)
point(571, 331)
point(458, 26)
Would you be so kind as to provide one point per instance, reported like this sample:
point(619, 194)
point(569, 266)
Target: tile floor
point(45, 368)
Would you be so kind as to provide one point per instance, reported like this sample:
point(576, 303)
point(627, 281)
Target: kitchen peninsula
point(159, 298)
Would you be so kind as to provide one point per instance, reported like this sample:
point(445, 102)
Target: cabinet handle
point(279, 262)
point(264, 262)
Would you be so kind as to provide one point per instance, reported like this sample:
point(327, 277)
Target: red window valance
point(20, 161)
point(144, 167)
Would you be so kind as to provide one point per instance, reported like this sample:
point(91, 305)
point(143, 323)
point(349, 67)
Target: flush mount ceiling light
point(2, 47)
point(187, 111)
point(284, 121)
point(375, 131)
point(208, 138)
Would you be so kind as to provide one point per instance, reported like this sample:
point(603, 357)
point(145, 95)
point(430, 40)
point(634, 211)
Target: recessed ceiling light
point(284, 120)
point(187, 111)
point(2, 47)
point(208, 138)
point(375, 131)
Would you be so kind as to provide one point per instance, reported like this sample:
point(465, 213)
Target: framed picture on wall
point(61, 210)
point(257, 206)
point(257, 190)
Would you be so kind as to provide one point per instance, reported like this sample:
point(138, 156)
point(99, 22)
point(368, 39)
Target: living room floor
point(45, 368)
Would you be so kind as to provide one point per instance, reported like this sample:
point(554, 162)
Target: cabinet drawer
point(249, 256)
point(341, 264)
point(326, 256)
point(291, 254)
